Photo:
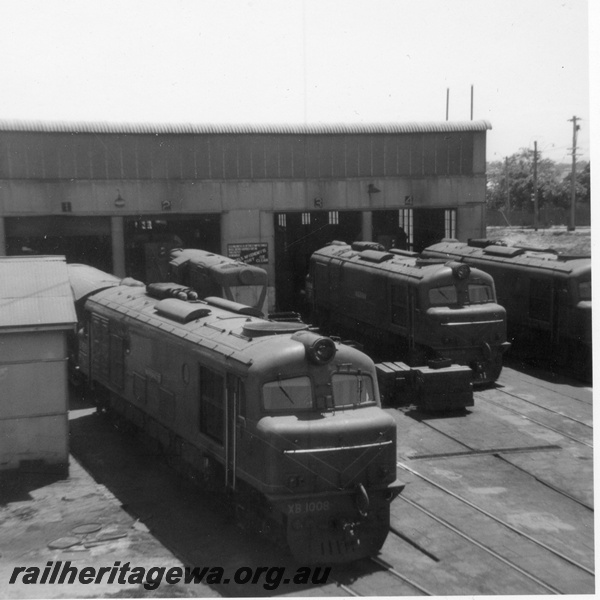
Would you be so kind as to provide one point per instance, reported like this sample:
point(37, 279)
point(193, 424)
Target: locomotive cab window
point(480, 293)
point(443, 295)
point(289, 395)
point(585, 290)
point(352, 389)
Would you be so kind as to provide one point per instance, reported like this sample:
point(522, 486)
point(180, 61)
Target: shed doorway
point(297, 236)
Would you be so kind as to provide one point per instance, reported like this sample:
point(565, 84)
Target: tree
point(513, 179)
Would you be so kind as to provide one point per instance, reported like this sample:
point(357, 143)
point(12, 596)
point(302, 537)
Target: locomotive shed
point(499, 500)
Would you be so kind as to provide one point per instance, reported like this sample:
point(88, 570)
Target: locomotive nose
point(319, 450)
point(482, 313)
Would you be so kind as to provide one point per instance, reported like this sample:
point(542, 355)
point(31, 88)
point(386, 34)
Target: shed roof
point(237, 129)
point(35, 292)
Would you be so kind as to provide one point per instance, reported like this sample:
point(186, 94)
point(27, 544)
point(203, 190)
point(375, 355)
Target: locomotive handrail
point(455, 323)
point(338, 448)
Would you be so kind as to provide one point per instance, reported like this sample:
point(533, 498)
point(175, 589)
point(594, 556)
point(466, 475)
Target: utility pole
point(535, 187)
point(507, 185)
point(571, 226)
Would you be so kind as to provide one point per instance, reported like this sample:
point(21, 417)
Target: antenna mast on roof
point(471, 102)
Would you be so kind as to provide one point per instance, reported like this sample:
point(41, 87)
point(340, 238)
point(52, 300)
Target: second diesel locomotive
point(288, 422)
point(211, 274)
point(404, 307)
point(547, 297)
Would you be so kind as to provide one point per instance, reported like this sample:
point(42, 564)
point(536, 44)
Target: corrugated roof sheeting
point(236, 129)
point(35, 292)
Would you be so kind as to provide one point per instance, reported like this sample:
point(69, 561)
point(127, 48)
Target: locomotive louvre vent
point(161, 291)
point(480, 242)
point(235, 307)
point(180, 311)
point(407, 253)
point(506, 251)
point(262, 328)
point(375, 256)
point(361, 246)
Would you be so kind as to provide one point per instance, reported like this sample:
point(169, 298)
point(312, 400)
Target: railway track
point(584, 427)
point(501, 487)
point(451, 534)
point(376, 577)
point(502, 522)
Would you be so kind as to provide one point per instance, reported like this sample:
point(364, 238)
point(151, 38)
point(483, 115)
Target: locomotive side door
point(561, 310)
point(412, 307)
point(233, 409)
point(335, 284)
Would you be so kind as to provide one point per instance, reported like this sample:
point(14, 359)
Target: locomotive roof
point(543, 260)
point(85, 279)
point(234, 336)
point(226, 270)
point(414, 267)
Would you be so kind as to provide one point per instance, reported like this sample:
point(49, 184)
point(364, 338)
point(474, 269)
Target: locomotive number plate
point(308, 507)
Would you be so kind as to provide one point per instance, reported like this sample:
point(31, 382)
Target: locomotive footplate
point(431, 389)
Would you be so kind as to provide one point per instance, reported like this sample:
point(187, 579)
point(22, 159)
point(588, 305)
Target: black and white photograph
point(296, 298)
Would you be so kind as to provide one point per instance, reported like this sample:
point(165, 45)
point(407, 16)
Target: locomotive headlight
point(460, 271)
point(322, 351)
point(319, 349)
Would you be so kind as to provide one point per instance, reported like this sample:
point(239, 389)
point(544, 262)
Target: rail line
point(498, 452)
point(539, 382)
point(546, 408)
point(397, 574)
point(483, 547)
point(550, 428)
point(549, 485)
point(385, 567)
point(490, 516)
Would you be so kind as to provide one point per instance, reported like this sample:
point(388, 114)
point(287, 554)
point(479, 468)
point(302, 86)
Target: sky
point(306, 61)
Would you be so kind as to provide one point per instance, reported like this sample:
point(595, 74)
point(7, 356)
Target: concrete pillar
point(2, 238)
point(267, 235)
point(367, 226)
point(117, 234)
point(229, 234)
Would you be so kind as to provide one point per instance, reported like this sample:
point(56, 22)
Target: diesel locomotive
point(285, 421)
point(547, 297)
point(211, 274)
point(401, 306)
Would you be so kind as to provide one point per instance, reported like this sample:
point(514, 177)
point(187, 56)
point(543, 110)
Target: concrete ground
point(44, 519)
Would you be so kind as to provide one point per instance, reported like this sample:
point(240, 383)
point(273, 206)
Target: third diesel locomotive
point(547, 297)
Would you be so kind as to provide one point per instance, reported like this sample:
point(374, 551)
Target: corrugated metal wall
point(97, 156)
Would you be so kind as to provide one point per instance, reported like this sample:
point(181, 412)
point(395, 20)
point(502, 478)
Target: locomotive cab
point(326, 456)
point(404, 307)
point(284, 420)
point(465, 340)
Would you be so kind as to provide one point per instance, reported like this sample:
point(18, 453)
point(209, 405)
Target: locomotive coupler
point(349, 530)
